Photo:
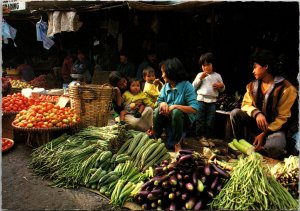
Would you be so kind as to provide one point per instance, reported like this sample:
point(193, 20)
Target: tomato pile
point(17, 102)
point(46, 115)
point(6, 144)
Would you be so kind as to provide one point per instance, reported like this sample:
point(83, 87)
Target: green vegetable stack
point(249, 188)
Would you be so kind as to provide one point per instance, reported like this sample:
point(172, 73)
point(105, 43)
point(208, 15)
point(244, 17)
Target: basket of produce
point(45, 116)
point(92, 103)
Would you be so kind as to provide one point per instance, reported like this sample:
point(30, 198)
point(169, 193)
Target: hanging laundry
point(63, 21)
point(8, 32)
point(41, 34)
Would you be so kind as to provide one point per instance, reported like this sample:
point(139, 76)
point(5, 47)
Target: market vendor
point(83, 66)
point(266, 107)
point(26, 71)
point(120, 82)
point(176, 105)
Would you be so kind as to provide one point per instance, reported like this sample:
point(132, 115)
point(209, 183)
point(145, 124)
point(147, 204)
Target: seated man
point(266, 107)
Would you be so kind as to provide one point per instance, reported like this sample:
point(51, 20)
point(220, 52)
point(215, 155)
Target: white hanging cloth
point(59, 21)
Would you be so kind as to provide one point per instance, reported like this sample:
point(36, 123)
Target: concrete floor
point(23, 190)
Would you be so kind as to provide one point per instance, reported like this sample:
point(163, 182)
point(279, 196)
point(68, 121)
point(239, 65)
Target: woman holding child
point(138, 122)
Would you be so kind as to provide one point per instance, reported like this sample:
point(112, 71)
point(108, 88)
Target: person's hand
point(261, 122)
point(217, 85)
point(258, 141)
point(163, 108)
point(172, 107)
point(156, 82)
point(203, 75)
point(117, 91)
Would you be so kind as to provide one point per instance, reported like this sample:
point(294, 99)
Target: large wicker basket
point(92, 103)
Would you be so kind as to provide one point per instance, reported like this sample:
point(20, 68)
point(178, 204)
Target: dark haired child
point(152, 85)
point(134, 101)
point(207, 84)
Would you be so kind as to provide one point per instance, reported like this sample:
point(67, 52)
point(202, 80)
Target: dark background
point(232, 30)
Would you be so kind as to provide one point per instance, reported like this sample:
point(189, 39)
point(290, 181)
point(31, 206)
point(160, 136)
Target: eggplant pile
point(228, 102)
point(189, 183)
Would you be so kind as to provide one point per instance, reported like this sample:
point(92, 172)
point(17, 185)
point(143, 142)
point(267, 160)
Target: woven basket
point(92, 103)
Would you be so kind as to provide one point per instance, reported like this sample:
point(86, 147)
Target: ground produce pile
point(100, 158)
point(187, 183)
point(251, 187)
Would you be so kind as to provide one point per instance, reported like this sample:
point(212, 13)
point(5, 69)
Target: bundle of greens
point(249, 188)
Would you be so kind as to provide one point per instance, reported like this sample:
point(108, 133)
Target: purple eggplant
point(220, 171)
point(195, 178)
point(185, 159)
point(173, 189)
point(210, 193)
point(171, 196)
point(214, 172)
point(159, 170)
point(156, 191)
point(177, 193)
point(186, 151)
point(152, 196)
point(140, 199)
point(143, 193)
point(171, 166)
point(207, 169)
point(147, 184)
point(219, 187)
point(184, 196)
point(198, 205)
point(179, 176)
point(189, 186)
point(173, 180)
point(214, 183)
point(161, 179)
point(186, 177)
point(190, 203)
point(172, 206)
point(165, 184)
point(171, 173)
point(165, 162)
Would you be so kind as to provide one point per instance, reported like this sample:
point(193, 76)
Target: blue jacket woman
point(176, 104)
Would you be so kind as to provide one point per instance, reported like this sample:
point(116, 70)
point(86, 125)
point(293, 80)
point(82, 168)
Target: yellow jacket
point(276, 105)
point(141, 97)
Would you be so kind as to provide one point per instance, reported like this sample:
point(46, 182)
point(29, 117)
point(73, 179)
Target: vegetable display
point(187, 183)
point(287, 174)
point(249, 188)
